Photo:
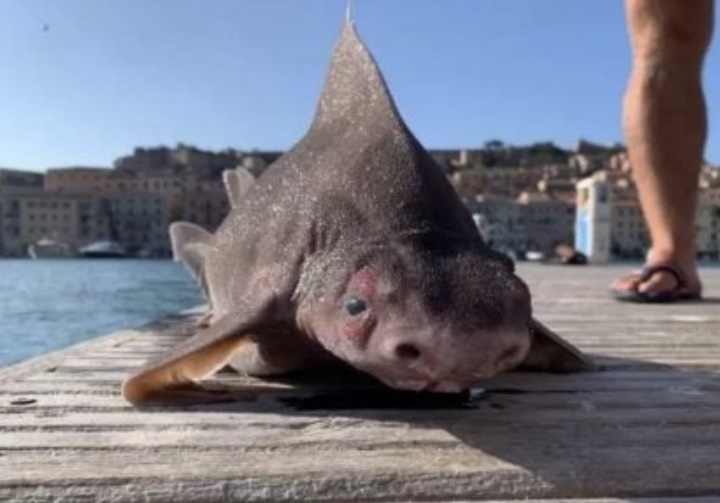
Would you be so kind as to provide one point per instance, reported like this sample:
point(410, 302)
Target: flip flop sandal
point(679, 293)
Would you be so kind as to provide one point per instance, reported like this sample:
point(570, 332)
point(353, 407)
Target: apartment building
point(14, 185)
point(140, 222)
point(70, 218)
point(628, 234)
point(548, 221)
point(500, 222)
point(135, 206)
point(77, 180)
point(470, 183)
point(204, 202)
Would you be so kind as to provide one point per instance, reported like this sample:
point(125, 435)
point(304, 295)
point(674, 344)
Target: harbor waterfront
point(50, 304)
point(47, 305)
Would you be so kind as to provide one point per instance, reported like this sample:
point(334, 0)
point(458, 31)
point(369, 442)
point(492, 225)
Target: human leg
point(665, 128)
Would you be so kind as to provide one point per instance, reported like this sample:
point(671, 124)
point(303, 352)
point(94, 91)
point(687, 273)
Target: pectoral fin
point(173, 377)
point(551, 353)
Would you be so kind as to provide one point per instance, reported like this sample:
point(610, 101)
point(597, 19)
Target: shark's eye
point(355, 306)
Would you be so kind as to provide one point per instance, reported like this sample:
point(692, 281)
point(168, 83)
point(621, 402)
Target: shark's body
point(352, 247)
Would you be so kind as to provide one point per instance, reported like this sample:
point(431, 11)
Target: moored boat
point(534, 256)
point(103, 249)
point(49, 248)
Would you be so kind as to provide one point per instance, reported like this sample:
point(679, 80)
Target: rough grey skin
point(352, 247)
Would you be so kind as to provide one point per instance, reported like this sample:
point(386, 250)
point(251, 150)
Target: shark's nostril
point(407, 352)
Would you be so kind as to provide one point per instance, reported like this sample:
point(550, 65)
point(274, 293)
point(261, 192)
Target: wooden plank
point(618, 380)
point(643, 430)
point(393, 473)
point(500, 398)
point(326, 435)
point(220, 417)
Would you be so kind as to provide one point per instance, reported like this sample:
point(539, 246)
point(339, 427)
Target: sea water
point(50, 304)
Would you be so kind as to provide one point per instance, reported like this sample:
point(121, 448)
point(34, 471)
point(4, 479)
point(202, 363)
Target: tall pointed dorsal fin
point(237, 182)
point(355, 90)
point(190, 243)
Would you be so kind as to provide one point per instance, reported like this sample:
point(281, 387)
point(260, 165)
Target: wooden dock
point(646, 428)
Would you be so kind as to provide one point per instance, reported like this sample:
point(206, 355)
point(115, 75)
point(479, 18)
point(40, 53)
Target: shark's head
point(424, 312)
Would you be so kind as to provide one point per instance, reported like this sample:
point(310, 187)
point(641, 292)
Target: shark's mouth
point(430, 386)
point(444, 387)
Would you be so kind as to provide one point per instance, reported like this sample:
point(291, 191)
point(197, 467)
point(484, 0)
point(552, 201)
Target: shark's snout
point(501, 354)
point(466, 335)
point(450, 357)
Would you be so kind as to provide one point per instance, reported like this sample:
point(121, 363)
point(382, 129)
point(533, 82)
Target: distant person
point(665, 128)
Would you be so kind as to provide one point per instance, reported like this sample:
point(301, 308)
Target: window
point(602, 194)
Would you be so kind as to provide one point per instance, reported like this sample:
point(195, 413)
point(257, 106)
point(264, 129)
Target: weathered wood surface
point(644, 429)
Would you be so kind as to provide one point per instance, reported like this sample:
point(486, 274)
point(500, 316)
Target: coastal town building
point(20, 179)
point(75, 220)
point(715, 232)
point(522, 198)
point(15, 184)
point(706, 240)
point(548, 221)
point(629, 237)
point(500, 222)
point(535, 221)
point(77, 180)
point(132, 203)
point(712, 201)
point(591, 157)
point(593, 218)
point(139, 221)
point(470, 183)
point(202, 202)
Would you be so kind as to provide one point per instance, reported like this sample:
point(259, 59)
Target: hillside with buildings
point(522, 197)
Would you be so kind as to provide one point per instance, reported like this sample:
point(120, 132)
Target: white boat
point(49, 248)
point(534, 256)
point(103, 249)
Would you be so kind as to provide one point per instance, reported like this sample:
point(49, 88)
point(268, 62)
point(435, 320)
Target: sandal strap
point(650, 270)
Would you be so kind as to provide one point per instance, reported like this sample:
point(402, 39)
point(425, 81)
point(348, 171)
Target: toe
point(629, 283)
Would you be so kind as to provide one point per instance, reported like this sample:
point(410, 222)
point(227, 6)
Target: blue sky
point(85, 81)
